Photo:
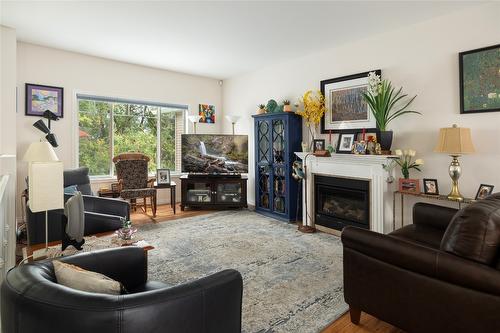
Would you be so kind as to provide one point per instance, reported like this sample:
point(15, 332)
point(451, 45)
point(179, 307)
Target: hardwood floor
point(367, 324)
point(163, 213)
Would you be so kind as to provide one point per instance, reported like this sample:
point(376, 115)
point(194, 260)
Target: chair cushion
point(132, 173)
point(420, 234)
point(474, 232)
point(70, 189)
point(79, 177)
point(137, 193)
point(81, 279)
point(148, 286)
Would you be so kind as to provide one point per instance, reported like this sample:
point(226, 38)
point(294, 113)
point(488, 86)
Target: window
point(108, 127)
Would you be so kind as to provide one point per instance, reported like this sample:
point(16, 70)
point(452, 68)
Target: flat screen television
point(214, 153)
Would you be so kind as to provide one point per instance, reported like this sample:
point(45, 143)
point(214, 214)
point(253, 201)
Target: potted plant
point(386, 104)
point(286, 106)
point(313, 103)
point(262, 109)
point(406, 163)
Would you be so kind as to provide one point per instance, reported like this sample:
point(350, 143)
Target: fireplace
point(341, 201)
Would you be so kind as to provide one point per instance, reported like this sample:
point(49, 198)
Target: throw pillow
point(70, 189)
point(75, 212)
point(474, 231)
point(81, 279)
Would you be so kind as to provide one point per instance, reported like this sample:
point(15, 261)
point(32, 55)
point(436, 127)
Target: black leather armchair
point(32, 301)
point(422, 277)
point(101, 214)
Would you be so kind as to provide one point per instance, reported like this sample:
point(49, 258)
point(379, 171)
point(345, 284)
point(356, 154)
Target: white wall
point(423, 58)
point(7, 90)
point(81, 73)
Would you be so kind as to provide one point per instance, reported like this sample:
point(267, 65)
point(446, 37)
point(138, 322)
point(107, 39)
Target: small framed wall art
point(41, 98)
point(345, 107)
point(480, 80)
point(207, 113)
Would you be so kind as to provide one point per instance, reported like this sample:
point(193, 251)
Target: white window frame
point(76, 128)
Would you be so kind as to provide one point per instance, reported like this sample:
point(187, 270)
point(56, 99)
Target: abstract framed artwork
point(480, 80)
point(345, 107)
point(40, 98)
point(206, 113)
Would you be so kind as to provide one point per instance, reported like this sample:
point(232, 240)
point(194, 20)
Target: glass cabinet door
point(278, 141)
point(229, 193)
point(264, 144)
point(279, 189)
point(199, 192)
point(264, 186)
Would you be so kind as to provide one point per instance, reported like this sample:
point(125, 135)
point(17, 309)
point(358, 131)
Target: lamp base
point(455, 171)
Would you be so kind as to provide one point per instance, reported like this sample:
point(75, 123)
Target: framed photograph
point(206, 113)
point(479, 80)
point(431, 186)
point(409, 185)
point(484, 191)
point(162, 176)
point(319, 144)
point(345, 142)
point(345, 106)
point(41, 98)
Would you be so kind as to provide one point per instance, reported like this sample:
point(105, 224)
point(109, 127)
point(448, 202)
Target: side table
point(171, 186)
point(421, 195)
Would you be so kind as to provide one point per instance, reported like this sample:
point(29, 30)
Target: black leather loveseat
point(32, 301)
point(440, 274)
point(101, 214)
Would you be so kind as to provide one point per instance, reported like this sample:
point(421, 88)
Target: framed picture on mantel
point(345, 107)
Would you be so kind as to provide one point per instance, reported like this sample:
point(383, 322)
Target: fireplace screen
point(340, 202)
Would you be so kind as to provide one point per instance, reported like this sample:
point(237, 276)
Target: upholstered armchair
point(33, 301)
point(133, 181)
point(440, 274)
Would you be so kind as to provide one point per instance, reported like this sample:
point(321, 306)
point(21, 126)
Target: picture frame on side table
point(479, 83)
point(345, 107)
point(484, 191)
point(163, 176)
point(409, 185)
point(345, 142)
point(430, 186)
point(40, 98)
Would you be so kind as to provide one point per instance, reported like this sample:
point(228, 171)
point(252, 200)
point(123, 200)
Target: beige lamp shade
point(233, 118)
point(40, 152)
point(194, 119)
point(46, 186)
point(454, 141)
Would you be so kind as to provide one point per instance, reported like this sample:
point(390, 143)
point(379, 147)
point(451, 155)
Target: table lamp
point(194, 119)
point(233, 120)
point(45, 180)
point(454, 141)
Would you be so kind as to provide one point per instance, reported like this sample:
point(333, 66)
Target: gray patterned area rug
point(292, 281)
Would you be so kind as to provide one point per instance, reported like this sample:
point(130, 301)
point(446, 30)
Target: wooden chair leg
point(355, 315)
point(153, 205)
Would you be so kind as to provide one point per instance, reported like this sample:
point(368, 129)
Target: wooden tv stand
point(214, 191)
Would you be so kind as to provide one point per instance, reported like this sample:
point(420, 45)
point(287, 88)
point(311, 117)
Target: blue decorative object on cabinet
point(277, 137)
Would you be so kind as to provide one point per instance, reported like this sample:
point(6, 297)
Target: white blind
point(130, 101)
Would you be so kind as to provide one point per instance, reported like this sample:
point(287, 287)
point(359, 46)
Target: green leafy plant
point(286, 102)
point(384, 101)
point(262, 106)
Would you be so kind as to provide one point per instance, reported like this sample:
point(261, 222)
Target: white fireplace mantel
point(365, 167)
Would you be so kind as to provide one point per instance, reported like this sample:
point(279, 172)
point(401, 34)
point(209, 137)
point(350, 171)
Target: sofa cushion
point(474, 232)
point(79, 177)
point(420, 234)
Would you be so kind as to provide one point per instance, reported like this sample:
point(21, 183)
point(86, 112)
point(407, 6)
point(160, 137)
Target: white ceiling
point(215, 39)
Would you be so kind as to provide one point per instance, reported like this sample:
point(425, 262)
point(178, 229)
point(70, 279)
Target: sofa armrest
point(108, 206)
point(210, 304)
point(127, 264)
point(422, 260)
point(433, 215)
point(96, 223)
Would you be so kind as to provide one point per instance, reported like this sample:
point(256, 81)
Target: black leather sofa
point(101, 214)
point(32, 301)
point(440, 274)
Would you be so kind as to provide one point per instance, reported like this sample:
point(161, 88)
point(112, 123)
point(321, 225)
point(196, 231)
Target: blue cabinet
point(277, 137)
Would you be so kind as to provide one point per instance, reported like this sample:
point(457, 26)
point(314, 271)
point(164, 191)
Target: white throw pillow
point(78, 278)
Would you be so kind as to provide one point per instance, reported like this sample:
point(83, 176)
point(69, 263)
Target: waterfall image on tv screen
point(210, 153)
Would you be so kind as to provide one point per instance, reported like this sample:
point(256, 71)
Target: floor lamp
point(194, 120)
point(233, 120)
point(45, 177)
